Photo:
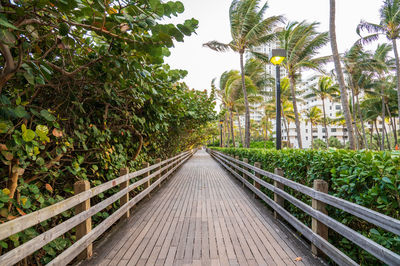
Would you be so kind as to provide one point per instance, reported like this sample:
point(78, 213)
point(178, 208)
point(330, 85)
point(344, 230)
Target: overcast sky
point(204, 64)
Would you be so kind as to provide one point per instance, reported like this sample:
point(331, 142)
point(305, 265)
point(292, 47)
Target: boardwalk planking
point(202, 216)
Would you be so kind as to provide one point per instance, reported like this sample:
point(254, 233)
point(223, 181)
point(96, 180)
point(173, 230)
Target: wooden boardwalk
point(202, 216)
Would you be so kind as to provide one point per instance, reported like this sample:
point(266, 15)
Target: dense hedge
point(368, 178)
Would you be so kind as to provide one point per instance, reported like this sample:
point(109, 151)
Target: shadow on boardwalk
point(201, 217)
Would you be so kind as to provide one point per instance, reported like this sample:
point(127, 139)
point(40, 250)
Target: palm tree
point(388, 26)
point(339, 72)
point(302, 42)
point(248, 29)
point(324, 89)
point(313, 115)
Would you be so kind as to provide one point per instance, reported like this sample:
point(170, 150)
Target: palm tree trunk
point(246, 105)
point(286, 127)
point(379, 136)
point(312, 136)
point(296, 113)
point(354, 117)
point(372, 133)
point(393, 123)
point(339, 73)
point(240, 129)
point(362, 123)
point(232, 131)
point(383, 119)
point(396, 56)
point(387, 137)
point(326, 128)
point(227, 129)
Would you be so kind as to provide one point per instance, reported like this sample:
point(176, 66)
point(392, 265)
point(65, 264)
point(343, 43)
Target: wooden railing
point(83, 212)
point(318, 234)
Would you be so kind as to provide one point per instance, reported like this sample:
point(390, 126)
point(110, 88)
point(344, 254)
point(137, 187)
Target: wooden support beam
point(237, 170)
point(278, 199)
point(245, 160)
point(318, 227)
point(85, 227)
point(125, 198)
point(158, 160)
point(257, 185)
point(148, 183)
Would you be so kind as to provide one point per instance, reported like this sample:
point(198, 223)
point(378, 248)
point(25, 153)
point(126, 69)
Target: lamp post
point(220, 129)
point(277, 56)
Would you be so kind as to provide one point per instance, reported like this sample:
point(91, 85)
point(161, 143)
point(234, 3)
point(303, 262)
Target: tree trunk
point(362, 123)
point(312, 136)
point(240, 128)
point(228, 143)
point(379, 136)
point(296, 114)
point(246, 105)
point(287, 128)
point(339, 73)
point(393, 123)
point(353, 103)
point(232, 131)
point(383, 119)
point(396, 56)
point(326, 128)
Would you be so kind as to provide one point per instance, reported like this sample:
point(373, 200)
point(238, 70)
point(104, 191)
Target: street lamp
point(276, 57)
point(221, 122)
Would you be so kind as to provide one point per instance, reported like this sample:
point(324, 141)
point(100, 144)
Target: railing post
point(158, 160)
point(245, 160)
point(237, 170)
point(257, 185)
point(278, 199)
point(318, 227)
point(125, 198)
point(148, 183)
point(85, 227)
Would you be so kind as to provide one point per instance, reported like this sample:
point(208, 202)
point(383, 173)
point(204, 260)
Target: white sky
point(205, 64)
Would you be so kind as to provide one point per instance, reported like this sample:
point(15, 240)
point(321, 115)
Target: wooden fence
point(152, 177)
point(318, 234)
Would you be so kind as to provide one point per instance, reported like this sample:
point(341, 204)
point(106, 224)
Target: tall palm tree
point(313, 115)
point(248, 29)
point(339, 73)
point(325, 89)
point(388, 26)
point(302, 42)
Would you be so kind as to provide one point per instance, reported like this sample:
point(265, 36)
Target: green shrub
point(368, 178)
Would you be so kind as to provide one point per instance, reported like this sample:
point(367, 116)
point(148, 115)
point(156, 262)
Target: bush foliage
point(84, 92)
point(368, 178)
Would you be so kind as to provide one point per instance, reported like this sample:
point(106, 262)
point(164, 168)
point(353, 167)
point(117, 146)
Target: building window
point(306, 138)
point(314, 137)
point(323, 130)
point(333, 129)
point(306, 130)
point(330, 107)
point(338, 107)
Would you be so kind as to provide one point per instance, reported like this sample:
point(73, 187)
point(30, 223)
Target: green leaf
point(28, 135)
point(42, 132)
point(4, 22)
point(386, 180)
point(20, 112)
point(47, 115)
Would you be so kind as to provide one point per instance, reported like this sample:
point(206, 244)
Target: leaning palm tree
point(302, 42)
point(248, 29)
point(325, 89)
point(313, 115)
point(339, 73)
point(388, 26)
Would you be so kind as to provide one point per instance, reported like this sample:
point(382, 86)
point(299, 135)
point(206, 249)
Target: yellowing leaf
point(24, 200)
point(3, 147)
point(112, 11)
point(298, 259)
point(6, 191)
point(49, 188)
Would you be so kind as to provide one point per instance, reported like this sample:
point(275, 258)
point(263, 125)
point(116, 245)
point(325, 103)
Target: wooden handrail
point(367, 244)
point(68, 255)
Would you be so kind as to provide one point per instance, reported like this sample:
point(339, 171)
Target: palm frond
point(217, 46)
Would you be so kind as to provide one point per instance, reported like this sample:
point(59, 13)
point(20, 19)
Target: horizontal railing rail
point(388, 223)
point(161, 171)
